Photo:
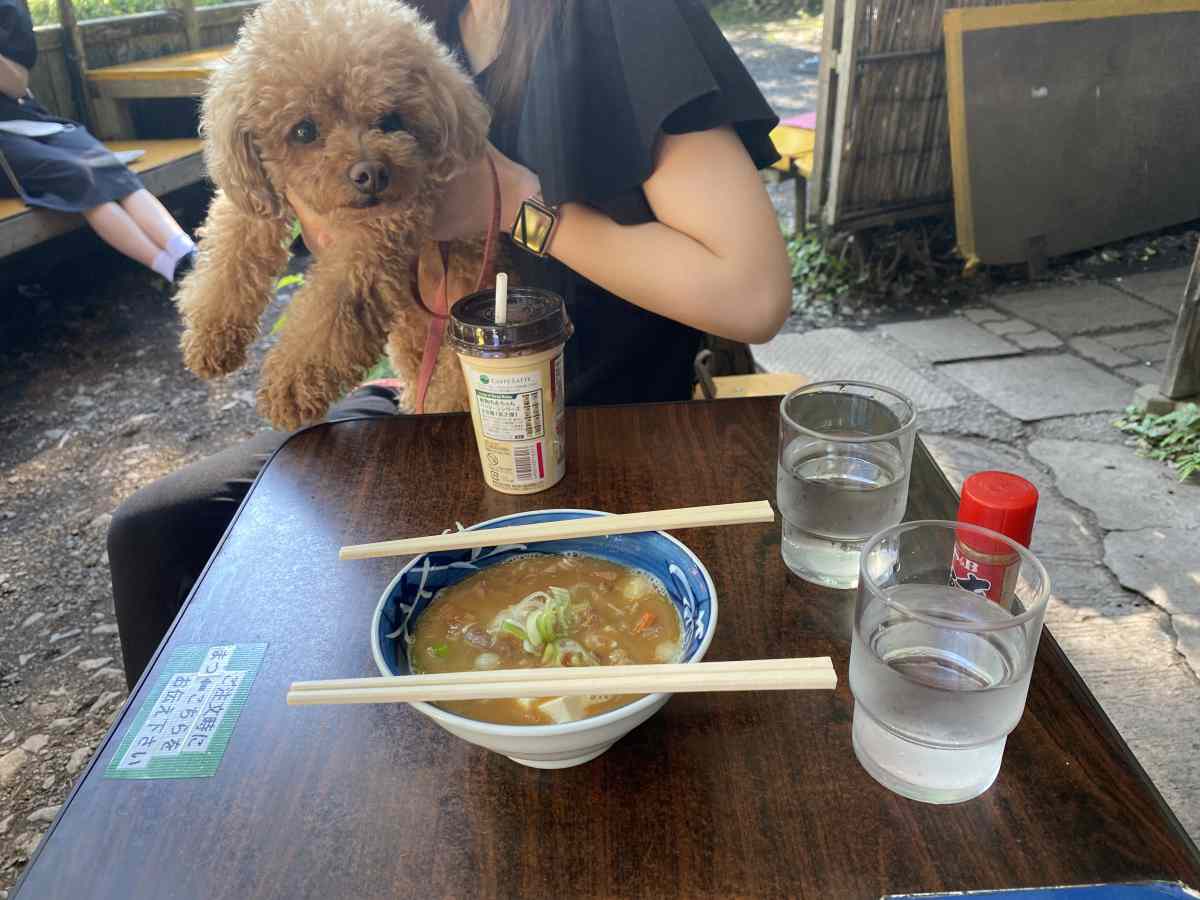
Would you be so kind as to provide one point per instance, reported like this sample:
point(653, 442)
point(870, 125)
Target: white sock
point(164, 265)
point(180, 246)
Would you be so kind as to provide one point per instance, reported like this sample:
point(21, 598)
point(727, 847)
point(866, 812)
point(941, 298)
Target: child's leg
point(152, 217)
point(121, 232)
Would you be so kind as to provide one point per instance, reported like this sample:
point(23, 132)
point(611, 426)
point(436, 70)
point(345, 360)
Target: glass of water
point(845, 448)
point(939, 674)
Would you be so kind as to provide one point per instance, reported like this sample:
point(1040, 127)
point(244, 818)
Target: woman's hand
point(316, 230)
point(465, 206)
point(14, 78)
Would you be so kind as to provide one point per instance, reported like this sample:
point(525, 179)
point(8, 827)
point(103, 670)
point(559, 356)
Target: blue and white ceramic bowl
point(571, 743)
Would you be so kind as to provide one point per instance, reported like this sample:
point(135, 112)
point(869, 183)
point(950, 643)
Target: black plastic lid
point(537, 320)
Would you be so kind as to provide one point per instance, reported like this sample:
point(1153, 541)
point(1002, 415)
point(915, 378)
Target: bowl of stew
point(612, 600)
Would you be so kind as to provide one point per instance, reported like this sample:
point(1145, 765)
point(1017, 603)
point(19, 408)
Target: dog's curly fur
point(343, 65)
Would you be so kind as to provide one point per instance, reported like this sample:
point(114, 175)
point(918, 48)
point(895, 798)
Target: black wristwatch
point(535, 226)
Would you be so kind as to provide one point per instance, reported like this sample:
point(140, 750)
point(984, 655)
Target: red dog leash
point(440, 312)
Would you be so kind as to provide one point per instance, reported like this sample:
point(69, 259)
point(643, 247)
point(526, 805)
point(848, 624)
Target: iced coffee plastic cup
point(514, 375)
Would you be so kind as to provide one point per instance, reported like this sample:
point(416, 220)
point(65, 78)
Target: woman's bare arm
point(715, 259)
point(14, 78)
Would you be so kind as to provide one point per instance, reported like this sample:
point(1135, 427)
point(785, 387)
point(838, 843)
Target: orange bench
point(166, 166)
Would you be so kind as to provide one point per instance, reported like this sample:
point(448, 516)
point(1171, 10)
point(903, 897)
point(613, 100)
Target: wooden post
point(76, 61)
point(1182, 374)
point(847, 70)
point(191, 24)
point(826, 105)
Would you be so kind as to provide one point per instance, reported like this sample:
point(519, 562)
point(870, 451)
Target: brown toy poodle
point(355, 108)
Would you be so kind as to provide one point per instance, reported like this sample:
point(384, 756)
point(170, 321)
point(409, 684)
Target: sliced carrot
point(644, 622)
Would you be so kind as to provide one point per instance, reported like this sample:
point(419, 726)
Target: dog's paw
point(212, 353)
point(291, 399)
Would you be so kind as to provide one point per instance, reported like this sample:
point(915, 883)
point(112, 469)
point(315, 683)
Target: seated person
point(68, 170)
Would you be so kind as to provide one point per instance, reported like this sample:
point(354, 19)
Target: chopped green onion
point(534, 632)
point(515, 630)
point(440, 649)
point(546, 625)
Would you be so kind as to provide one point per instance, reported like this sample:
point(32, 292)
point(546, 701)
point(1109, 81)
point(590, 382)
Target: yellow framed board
point(1071, 123)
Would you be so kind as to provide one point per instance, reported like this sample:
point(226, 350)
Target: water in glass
point(934, 706)
point(833, 496)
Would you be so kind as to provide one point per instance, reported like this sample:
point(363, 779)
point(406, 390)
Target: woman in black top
point(55, 164)
point(633, 117)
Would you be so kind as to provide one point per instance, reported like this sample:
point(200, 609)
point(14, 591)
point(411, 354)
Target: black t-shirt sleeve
point(610, 77)
point(17, 40)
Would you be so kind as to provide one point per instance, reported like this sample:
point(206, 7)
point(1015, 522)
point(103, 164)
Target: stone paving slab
point(1143, 374)
point(1099, 352)
point(1080, 309)
point(949, 339)
point(1152, 353)
point(840, 353)
point(1162, 563)
point(1123, 339)
point(1163, 289)
point(1146, 689)
point(1042, 387)
point(1036, 340)
point(1125, 491)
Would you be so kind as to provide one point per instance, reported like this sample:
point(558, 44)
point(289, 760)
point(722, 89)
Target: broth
point(542, 610)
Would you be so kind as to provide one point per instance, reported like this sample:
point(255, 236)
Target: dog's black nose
point(369, 177)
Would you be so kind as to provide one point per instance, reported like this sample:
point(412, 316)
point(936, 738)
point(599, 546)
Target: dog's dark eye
point(393, 121)
point(304, 132)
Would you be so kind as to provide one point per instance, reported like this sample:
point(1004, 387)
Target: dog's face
point(350, 105)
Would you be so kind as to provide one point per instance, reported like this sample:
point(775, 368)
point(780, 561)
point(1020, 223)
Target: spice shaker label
point(987, 579)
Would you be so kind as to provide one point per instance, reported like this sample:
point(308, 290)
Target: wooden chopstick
point(784, 675)
point(563, 672)
point(566, 529)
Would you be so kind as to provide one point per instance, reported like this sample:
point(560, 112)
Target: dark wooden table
point(717, 795)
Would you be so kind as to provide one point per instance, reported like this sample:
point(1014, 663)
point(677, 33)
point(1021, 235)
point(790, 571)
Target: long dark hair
point(525, 28)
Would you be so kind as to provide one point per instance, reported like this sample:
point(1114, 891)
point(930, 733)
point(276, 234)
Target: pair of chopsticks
point(810, 673)
point(753, 512)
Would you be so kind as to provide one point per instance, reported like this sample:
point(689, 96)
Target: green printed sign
point(185, 723)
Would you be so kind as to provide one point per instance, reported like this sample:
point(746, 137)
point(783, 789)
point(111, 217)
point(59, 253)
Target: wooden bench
point(177, 75)
point(794, 141)
point(166, 166)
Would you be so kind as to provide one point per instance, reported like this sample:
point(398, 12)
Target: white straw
point(501, 298)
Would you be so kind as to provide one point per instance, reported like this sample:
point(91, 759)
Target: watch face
point(532, 228)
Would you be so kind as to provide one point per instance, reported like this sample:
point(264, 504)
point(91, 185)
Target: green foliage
point(285, 282)
point(1173, 437)
point(818, 276)
point(45, 12)
point(381, 369)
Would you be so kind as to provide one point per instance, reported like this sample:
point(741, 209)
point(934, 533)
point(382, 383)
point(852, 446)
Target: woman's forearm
point(14, 78)
point(667, 272)
point(715, 258)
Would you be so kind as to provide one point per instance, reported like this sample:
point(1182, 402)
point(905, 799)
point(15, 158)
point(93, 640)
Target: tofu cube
point(564, 709)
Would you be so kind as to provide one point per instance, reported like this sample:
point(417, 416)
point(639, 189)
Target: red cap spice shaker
point(1002, 502)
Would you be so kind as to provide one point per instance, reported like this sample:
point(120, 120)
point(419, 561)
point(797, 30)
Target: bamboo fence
point(882, 131)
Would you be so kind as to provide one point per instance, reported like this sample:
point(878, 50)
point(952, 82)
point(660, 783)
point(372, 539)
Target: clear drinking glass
point(845, 448)
point(939, 674)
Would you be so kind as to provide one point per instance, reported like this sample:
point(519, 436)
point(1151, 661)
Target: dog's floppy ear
point(229, 152)
point(461, 119)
